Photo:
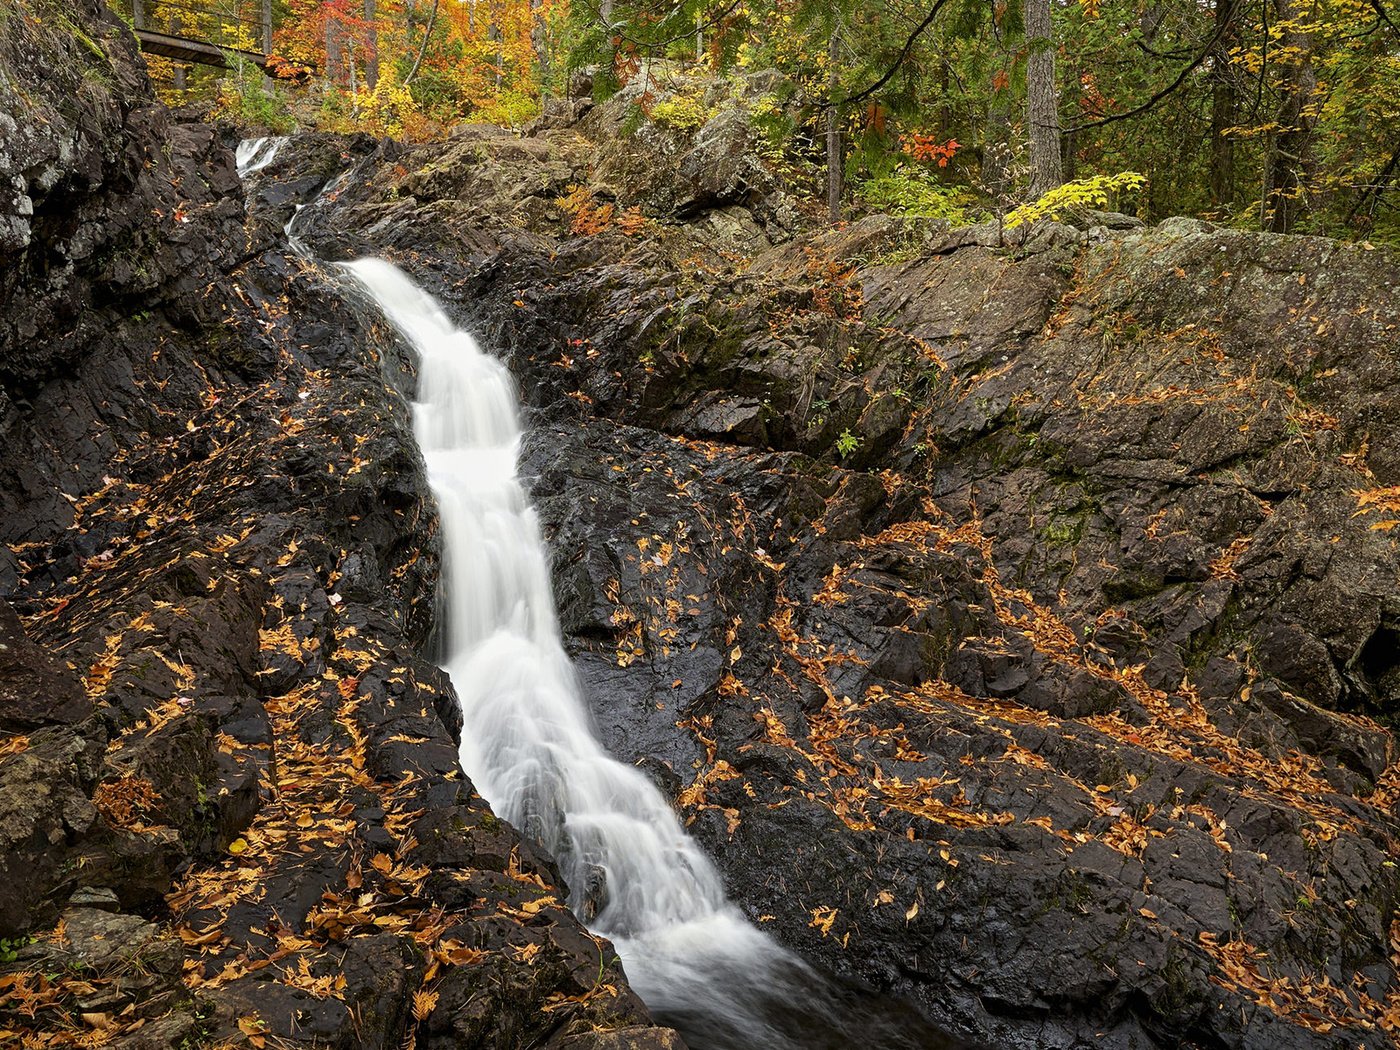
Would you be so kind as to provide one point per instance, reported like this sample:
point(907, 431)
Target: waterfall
point(635, 876)
point(253, 155)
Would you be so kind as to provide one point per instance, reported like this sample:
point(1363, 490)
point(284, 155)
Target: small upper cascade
point(253, 155)
point(633, 872)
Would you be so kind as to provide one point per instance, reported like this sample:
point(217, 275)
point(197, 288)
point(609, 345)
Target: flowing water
point(253, 155)
point(635, 876)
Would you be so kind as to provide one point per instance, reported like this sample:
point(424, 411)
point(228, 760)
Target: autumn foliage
point(1255, 114)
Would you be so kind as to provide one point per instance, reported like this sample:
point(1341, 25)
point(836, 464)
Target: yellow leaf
point(238, 846)
point(251, 1024)
point(423, 1003)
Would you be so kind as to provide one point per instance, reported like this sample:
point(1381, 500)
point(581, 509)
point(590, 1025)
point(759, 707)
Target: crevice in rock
point(1376, 672)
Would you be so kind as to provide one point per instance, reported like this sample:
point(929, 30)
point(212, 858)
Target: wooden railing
point(161, 29)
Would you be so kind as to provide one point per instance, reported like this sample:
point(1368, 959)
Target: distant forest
point(1281, 115)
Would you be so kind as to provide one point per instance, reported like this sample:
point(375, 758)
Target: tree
point(835, 158)
point(1285, 194)
point(1280, 113)
point(1224, 103)
point(1042, 103)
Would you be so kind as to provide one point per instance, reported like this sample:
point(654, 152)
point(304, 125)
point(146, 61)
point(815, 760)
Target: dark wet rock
point(682, 174)
point(1004, 612)
point(92, 227)
point(34, 690)
point(623, 1039)
point(219, 722)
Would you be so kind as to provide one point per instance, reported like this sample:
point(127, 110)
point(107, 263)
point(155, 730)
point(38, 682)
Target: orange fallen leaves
point(129, 802)
point(823, 917)
point(424, 1002)
point(14, 745)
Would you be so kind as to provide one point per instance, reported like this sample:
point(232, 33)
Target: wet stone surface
point(1014, 623)
point(231, 810)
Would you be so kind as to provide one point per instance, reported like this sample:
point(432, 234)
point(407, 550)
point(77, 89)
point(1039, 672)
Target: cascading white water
point(253, 155)
point(634, 874)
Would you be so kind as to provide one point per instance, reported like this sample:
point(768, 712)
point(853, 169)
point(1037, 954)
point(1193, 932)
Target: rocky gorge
point(1014, 616)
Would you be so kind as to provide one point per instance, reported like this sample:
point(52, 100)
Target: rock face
point(1012, 622)
point(231, 810)
point(105, 209)
point(1016, 623)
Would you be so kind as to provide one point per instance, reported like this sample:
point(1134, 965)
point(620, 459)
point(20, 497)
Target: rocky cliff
point(231, 810)
point(1014, 616)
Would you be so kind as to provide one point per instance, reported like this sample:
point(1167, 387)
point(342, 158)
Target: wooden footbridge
point(209, 36)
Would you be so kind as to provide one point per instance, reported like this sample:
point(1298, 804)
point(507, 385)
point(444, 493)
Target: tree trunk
point(834, 173)
point(1224, 104)
point(1042, 111)
point(1374, 191)
point(497, 36)
point(423, 50)
point(1284, 190)
point(997, 152)
point(371, 47)
point(1069, 149)
point(944, 108)
point(331, 73)
point(138, 14)
point(266, 26)
point(539, 44)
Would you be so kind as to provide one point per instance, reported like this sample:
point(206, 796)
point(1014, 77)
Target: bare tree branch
point(1384, 16)
point(894, 66)
point(1190, 68)
point(687, 34)
point(427, 35)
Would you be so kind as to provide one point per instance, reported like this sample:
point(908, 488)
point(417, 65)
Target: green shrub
point(847, 443)
point(510, 108)
point(909, 190)
point(1093, 194)
point(684, 112)
point(243, 102)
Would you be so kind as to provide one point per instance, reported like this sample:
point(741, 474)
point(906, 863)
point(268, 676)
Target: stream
point(635, 876)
